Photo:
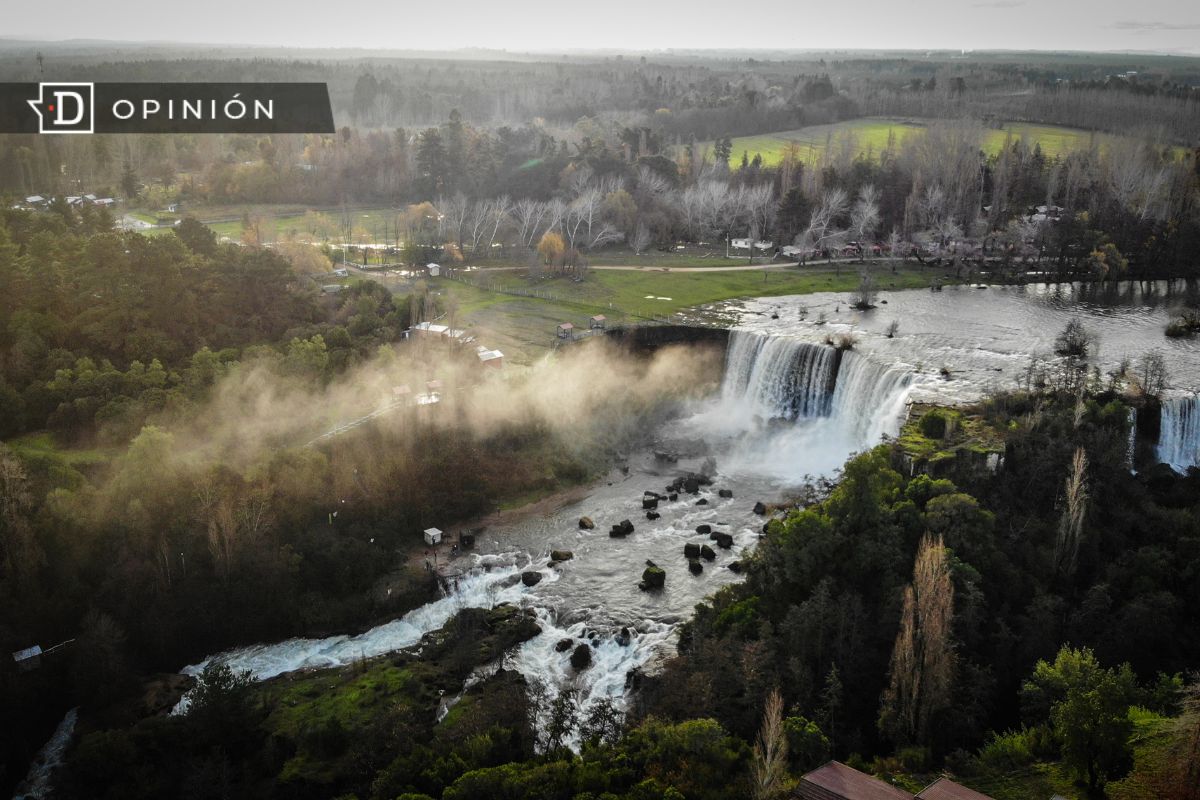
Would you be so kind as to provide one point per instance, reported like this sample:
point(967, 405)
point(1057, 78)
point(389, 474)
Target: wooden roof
point(836, 781)
point(946, 789)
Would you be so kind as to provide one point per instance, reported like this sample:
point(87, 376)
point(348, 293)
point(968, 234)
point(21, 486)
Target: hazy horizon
point(540, 26)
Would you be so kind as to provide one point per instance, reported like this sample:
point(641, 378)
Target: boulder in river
point(703, 501)
point(691, 550)
point(624, 637)
point(673, 496)
point(723, 540)
point(707, 553)
point(704, 529)
point(734, 566)
point(581, 659)
point(652, 515)
point(726, 493)
point(760, 509)
point(621, 529)
point(649, 503)
point(531, 578)
point(563, 645)
point(653, 578)
point(585, 523)
point(694, 566)
point(561, 555)
point(691, 485)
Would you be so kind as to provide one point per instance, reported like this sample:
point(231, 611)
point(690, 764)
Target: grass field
point(524, 327)
point(871, 135)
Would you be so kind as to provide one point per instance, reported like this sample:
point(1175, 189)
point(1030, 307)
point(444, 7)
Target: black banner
point(63, 108)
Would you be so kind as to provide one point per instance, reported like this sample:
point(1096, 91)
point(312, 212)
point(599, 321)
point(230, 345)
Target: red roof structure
point(946, 789)
point(836, 781)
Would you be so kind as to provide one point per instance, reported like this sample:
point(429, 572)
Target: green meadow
point(870, 136)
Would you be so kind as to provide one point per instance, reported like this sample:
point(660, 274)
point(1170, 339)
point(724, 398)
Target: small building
point(598, 322)
point(836, 781)
point(433, 536)
point(332, 288)
point(35, 200)
point(29, 658)
point(434, 270)
point(489, 358)
point(565, 330)
point(946, 789)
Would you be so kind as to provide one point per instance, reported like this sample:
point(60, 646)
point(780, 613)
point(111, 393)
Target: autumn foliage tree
point(551, 248)
point(921, 676)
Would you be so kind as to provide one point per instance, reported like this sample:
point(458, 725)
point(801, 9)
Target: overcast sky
point(1160, 25)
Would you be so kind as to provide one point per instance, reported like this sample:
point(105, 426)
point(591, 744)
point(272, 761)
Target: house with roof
point(836, 781)
point(493, 359)
point(946, 789)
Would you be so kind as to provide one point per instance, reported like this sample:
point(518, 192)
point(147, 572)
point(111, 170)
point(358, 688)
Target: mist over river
point(789, 407)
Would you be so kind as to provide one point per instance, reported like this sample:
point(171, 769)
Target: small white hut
point(433, 536)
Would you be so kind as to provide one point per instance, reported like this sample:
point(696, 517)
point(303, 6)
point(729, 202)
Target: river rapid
point(790, 408)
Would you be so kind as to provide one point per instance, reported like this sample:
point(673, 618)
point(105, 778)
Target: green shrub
point(935, 424)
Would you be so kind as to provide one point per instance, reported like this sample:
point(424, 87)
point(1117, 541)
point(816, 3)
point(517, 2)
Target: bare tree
point(641, 238)
point(529, 215)
point(823, 231)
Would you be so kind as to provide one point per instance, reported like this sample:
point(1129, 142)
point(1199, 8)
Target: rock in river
point(585, 523)
point(653, 578)
point(581, 659)
point(531, 578)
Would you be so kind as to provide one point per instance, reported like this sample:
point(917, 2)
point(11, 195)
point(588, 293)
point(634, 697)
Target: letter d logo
point(65, 107)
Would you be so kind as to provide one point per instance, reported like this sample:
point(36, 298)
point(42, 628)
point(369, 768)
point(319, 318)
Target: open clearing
point(870, 136)
point(524, 326)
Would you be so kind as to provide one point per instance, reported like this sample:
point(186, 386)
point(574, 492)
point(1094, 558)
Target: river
point(790, 407)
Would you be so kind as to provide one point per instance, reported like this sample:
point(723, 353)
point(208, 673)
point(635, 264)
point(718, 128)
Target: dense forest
point(976, 624)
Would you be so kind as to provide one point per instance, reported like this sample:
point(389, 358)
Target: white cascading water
point(787, 408)
point(776, 376)
point(1179, 432)
point(491, 581)
point(870, 397)
point(839, 402)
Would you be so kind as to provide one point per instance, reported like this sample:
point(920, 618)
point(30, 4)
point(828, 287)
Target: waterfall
point(837, 401)
point(870, 397)
point(1179, 432)
point(774, 376)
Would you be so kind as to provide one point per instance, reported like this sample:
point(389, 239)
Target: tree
point(768, 767)
point(1070, 525)
point(1088, 707)
point(130, 184)
point(551, 248)
point(923, 660)
point(603, 723)
point(1074, 340)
